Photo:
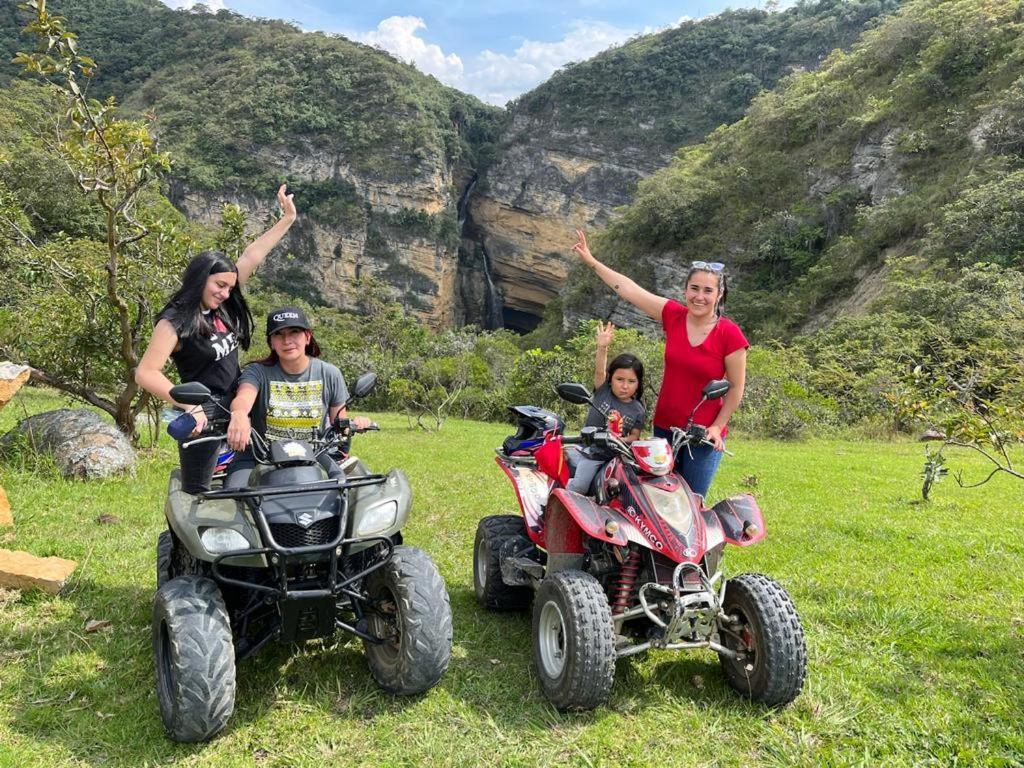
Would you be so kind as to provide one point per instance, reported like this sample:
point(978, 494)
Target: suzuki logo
point(305, 519)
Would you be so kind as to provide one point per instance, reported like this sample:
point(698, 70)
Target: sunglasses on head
point(712, 266)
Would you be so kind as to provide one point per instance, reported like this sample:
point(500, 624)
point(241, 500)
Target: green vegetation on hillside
point(659, 92)
point(910, 143)
point(226, 90)
point(895, 168)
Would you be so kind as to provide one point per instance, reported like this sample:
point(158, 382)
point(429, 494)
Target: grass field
point(914, 614)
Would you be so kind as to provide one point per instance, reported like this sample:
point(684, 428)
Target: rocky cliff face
point(398, 231)
point(545, 186)
point(376, 153)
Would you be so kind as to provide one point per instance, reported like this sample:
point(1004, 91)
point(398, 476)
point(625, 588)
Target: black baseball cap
point(286, 317)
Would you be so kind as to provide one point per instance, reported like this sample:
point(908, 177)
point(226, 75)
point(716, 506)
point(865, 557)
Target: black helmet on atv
point(533, 423)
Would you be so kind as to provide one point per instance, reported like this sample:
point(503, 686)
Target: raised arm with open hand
point(649, 303)
point(255, 253)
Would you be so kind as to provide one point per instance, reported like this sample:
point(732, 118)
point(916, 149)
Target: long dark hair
point(722, 284)
point(632, 363)
point(184, 310)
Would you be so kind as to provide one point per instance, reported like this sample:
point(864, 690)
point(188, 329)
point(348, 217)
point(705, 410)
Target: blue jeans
point(697, 470)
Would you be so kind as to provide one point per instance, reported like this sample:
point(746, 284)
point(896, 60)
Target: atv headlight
point(377, 519)
point(220, 540)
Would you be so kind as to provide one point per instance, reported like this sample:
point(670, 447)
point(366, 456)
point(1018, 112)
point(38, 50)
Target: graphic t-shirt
point(290, 405)
point(634, 415)
point(211, 360)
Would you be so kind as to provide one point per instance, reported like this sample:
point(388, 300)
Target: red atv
point(636, 566)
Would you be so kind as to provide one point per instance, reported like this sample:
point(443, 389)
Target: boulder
point(11, 378)
point(81, 442)
point(20, 570)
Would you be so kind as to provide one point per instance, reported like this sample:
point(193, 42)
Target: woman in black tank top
point(201, 328)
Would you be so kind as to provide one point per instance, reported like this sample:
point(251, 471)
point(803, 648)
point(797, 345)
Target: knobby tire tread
point(495, 594)
point(425, 613)
point(589, 670)
point(199, 698)
point(783, 648)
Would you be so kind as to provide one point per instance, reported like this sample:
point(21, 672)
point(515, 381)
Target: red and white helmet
point(653, 456)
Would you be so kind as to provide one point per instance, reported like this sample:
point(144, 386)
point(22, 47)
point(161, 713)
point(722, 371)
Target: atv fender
point(736, 514)
point(533, 489)
point(188, 516)
point(568, 514)
point(369, 501)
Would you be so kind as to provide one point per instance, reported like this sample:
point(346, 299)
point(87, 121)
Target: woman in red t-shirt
point(700, 344)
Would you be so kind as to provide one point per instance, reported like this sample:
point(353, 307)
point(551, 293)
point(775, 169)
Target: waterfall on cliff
point(492, 315)
point(492, 301)
point(464, 204)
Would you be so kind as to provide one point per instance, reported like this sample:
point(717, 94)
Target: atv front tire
point(414, 617)
point(573, 643)
point(164, 553)
point(770, 637)
point(195, 659)
point(491, 591)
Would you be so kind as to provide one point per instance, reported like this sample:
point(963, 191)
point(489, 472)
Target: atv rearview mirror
point(574, 393)
point(716, 388)
point(364, 384)
point(191, 393)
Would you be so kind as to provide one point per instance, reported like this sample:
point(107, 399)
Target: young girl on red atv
point(618, 389)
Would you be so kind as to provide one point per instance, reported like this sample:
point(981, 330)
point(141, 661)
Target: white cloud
point(498, 77)
point(213, 5)
point(493, 77)
point(649, 30)
point(398, 35)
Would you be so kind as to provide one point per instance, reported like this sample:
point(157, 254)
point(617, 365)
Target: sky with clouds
point(496, 49)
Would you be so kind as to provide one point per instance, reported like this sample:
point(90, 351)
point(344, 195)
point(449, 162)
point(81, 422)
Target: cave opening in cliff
point(519, 321)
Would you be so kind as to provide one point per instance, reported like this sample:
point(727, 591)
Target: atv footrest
point(516, 571)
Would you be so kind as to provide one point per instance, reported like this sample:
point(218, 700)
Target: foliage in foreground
point(78, 309)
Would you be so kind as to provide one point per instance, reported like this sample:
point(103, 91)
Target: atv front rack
point(690, 613)
point(248, 492)
point(296, 604)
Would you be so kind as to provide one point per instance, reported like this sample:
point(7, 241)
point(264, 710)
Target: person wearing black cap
point(286, 394)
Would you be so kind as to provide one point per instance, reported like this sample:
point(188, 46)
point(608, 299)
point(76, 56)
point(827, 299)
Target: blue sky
point(494, 49)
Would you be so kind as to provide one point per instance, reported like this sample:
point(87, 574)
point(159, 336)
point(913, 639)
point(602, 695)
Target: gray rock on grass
point(82, 443)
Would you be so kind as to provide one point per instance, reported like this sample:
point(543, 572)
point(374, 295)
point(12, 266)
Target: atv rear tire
point(164, 553)
point(776, 662)
point(491, 591)
point(415, 617)
point(573, 642)
point(195, 659)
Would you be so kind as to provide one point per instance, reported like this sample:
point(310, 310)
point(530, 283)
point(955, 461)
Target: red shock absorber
point(623, 590)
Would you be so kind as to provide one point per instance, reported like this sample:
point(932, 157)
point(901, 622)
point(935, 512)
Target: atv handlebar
point(208, 439)
point(693, 434)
